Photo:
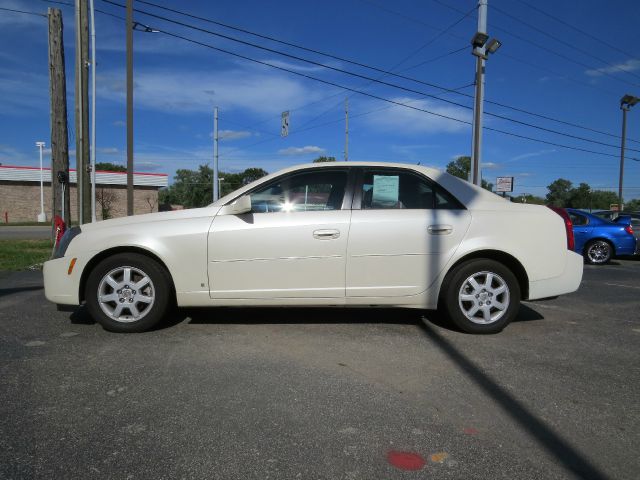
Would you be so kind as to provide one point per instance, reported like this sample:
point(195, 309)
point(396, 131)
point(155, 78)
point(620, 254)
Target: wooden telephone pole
point(82, 113)
point(59, 135)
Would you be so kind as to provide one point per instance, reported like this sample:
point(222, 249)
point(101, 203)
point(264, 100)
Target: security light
point(629, 100)
point(479, 39)
point(493, 45)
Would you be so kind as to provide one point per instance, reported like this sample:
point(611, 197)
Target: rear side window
point(397, 189)
point(578, 220)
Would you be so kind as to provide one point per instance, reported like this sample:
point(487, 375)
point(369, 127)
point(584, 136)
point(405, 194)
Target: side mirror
point(239, 206)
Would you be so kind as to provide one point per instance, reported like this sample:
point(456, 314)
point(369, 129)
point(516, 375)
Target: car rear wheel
point(128, 292)
point(481, 296)
point(598, 252)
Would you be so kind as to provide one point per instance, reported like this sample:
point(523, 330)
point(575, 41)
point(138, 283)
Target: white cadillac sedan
point(333, 234)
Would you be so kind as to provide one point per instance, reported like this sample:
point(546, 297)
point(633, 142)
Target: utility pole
point(129, 27)
point(81, 112)
point(346, 129)
point(58, 95)
point(93, 112)
point(626, 103)
point(216, 184)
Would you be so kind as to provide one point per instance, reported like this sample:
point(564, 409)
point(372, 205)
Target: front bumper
point(59, 286)
point(568, 281)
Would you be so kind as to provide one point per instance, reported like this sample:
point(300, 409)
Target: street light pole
point(129, 41)
point(42, 217)
point(480, 53)
point(92, 150)
point(481, 49)
point(626, 103)
point(216, 186)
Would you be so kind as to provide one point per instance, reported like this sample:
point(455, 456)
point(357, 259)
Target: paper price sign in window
point(386, 190)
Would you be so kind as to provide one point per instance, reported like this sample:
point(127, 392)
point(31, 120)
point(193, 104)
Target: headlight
point(69, 235)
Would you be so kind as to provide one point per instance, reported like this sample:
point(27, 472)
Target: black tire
point(598, 252)
point(459, 304)
point(132, 298)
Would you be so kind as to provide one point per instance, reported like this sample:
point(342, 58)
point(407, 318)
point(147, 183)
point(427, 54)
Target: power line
point(23, 11)
point(304, 75)
point(600, 40)
point(502, 54)
point(370, 79)
point(563, 42)
point(385, 72)
point(530, 42)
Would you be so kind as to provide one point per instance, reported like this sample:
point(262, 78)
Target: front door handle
point(440, 229)
point(326, 234)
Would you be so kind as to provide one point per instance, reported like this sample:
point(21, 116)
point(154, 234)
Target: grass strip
point(22, 254)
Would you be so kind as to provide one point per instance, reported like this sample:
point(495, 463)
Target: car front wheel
point(128, 292)
point(598, 252)
point(481, 296)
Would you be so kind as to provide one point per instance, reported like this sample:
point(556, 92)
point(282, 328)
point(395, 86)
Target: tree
point(559, 192)
point(323, 159)
point(602, 200)
point(105, 199)
point(632, 205)
point(190, 188)
point(528, 198)
point(193, 188)
point(580, 197)
point(461, 167)
point(152, 201)
point(110, 167)
point(253, 174)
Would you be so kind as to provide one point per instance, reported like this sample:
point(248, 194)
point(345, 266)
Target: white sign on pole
point(284, 129)
point(504, 184)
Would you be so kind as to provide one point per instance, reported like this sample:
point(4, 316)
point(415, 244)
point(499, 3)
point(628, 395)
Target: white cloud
point(628, 66)
point(490, 165)
point(301, 150)
point(119, 123)
point(399, 119)
point(248, 89)
point(299, 67)
point(230, 135)
point(532, 154)
point(108, 150)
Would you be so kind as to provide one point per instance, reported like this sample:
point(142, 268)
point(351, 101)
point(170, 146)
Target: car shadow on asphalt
point(11, 291)
point(556, 446)
point(337, 315)
point(300, 315)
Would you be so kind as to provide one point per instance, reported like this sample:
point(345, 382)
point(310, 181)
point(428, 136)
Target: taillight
point(629, 229)
point(568, 226)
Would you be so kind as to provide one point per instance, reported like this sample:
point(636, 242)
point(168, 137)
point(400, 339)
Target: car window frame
point(583, 216)
point(346, 199)
point(356, 203)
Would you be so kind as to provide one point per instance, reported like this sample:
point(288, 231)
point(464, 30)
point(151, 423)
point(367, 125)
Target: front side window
point(318, 190)
point(391, 189)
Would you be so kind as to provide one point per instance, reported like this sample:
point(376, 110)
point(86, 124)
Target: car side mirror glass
point(237, 207)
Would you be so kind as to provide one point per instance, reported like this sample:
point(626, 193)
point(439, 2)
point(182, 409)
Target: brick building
point(20, 193)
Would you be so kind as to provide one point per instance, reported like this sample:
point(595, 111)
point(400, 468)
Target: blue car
point(598, 239)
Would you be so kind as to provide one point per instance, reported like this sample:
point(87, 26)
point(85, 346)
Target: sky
point(562, 62)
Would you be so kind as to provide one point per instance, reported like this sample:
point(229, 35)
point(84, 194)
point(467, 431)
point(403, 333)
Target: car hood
point(209, 211)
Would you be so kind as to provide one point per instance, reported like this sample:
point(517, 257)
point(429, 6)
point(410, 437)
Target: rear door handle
point(439, 229)
point(326, 234)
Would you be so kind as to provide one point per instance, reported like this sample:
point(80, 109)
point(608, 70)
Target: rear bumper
point(567, 282)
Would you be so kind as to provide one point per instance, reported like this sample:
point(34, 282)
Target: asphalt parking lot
point(335, 394)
